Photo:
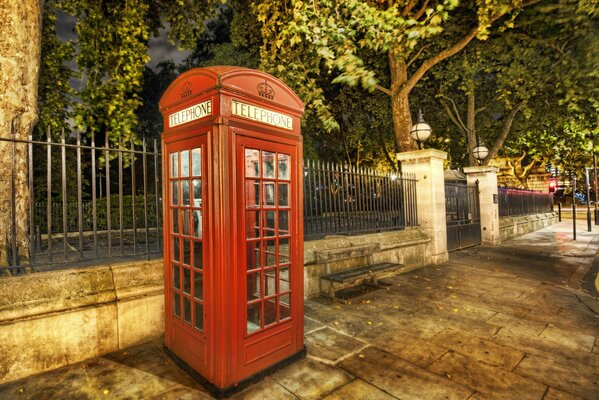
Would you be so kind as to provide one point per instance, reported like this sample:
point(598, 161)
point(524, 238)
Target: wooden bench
point(367, 274)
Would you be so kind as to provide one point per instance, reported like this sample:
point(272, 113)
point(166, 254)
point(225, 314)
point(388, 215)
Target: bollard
point(559, 211)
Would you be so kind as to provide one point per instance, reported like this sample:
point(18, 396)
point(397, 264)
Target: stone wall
point(511, 227)
point(52, 319)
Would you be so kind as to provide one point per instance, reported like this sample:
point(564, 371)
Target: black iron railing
point(348, 200)
point(514, 202)
point(462, 210)
point(86, 202)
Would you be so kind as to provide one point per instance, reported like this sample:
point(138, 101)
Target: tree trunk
point(20, 48)
point(400, 104)
point(471, 127)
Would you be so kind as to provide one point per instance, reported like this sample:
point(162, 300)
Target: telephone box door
point(186, 268)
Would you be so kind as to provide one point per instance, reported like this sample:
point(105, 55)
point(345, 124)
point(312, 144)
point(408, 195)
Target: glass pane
point(196, 162)
point(284, 306)
point(186, 280)
point(186, 252)
point(198, 285)
point(284, 166)
point(252, 193)
point(268, 164)
point(185, 193)
point(284, 222)
point(197, 192)
point(175, 193)
point(252, 224)
point(176, 255)
point(185, 163)
point(283, 251)
point(198, 255)
point(197, 223)
point(199, 316)
point(175, 221)
point(252, 163)
point(253, 284)
point(253, 255)
point(174, 165)
point(270, 311)
point(269, 224)
point(186, 309)
point(270, 284)
point(283, 280)
point(185, 221)
point(254, 314)
point(283, 195)
point(177, 305)
point(271, 250)
point(176, 276)
point(269, 194)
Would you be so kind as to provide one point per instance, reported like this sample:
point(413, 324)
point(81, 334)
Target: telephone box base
point(221, 393)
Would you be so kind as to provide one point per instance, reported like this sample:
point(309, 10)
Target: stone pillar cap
point(421, 154)
point(479, 169)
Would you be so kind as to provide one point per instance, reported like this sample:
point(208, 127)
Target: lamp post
point(480, 152)
point(421, 131)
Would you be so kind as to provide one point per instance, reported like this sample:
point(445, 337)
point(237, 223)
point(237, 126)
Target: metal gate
point(462, 210)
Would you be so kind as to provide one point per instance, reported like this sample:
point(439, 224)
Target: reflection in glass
point(198, 255)
point(271, 249)
point(284, 168)
point(175, 192)
point(284, 306)
point(283, 195)
point(174, 165)
point(186, 281)
point(186, 252)
point(197, 223)
point(269, 194)
point(196, 162)
point(270, 285)
point(177, 305)
point(252, 224)
point(269, 225)
point(283, 222)
point(199, 316)
point(283, 280)
point(176, 248)
point(270, 311)
point(283, 251)
point(186, 309)
point(253, 286)
point(198, 285)
point(253, 255)
point(268, 164)
point(252, 163)
point(254, 317)
point(185, 220)
point(252, 193)
point(175, 221)
point(176, 276)
point(185, 193)
point(197, 192)
point(185, 163)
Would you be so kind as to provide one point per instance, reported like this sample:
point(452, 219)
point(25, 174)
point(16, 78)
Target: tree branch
point(422, 10)
point(505, 130)
point(383, 89)
point(418, 54)
point(411, 4)
point(454, 115)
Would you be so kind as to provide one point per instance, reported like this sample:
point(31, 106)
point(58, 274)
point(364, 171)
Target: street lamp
point(480, 152)
point(421, 131)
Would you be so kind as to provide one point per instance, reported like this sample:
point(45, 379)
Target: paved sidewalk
point(507, 322)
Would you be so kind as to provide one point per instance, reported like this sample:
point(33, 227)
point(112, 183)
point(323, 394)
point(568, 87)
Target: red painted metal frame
point(224, 354)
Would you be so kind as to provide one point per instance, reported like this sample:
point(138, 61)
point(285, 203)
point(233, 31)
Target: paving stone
point(181, 393)
point(569, 338)
point(310, 324)
point(572, 380)
point(489, 380)
point(400, 378)
point(309, 379)
point(479, 349)
point(521, 325)
point(554, 394)
point(326, 344)
point(446, 318)
point(359, 390)
point(266, 389)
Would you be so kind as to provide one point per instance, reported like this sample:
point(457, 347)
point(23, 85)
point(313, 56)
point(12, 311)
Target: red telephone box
point(233, 230)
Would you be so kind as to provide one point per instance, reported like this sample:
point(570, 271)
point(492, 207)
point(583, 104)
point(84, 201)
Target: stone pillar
point(427, 166)
point(489, 207)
